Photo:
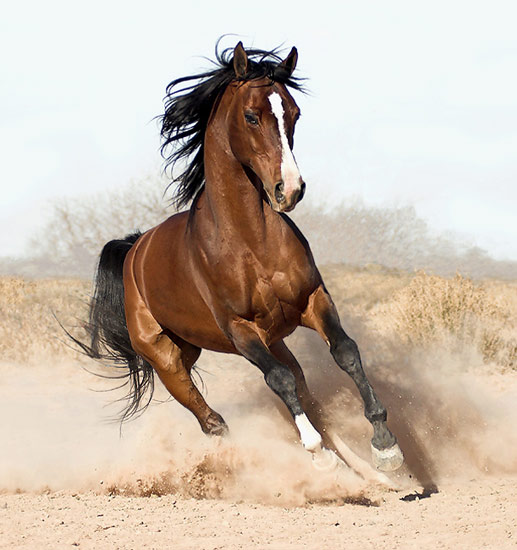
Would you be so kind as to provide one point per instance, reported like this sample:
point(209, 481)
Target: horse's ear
point(289, 63)
point(240, 61)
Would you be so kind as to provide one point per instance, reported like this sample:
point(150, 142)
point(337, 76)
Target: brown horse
point(233, 273)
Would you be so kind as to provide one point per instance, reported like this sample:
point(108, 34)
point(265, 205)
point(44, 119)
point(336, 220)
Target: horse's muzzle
point(286, 201)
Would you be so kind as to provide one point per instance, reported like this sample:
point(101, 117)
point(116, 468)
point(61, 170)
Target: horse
point(232, 273)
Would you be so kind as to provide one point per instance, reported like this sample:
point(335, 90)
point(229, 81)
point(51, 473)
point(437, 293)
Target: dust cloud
point(453, 419)
point(450, 423)
point(57, 437)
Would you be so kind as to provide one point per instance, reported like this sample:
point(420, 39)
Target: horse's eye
point(251, 118)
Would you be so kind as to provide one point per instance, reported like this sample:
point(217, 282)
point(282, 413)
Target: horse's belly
point(182, 311)
point(197, 326)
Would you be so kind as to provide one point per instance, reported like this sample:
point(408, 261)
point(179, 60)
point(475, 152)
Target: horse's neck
point(231, 217)
point(233, 200)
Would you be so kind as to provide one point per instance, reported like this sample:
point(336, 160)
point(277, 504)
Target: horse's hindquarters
point(162, 289)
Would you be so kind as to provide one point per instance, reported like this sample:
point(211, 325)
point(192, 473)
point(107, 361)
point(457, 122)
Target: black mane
point(188, 108)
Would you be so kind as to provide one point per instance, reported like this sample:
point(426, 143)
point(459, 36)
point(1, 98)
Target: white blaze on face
point(289, 169)
point(311, 439)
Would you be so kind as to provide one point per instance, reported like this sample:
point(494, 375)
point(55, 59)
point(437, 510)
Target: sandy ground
point(468, 515)
point(70, 479)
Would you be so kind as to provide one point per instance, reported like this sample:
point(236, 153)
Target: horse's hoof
point(324, 460)
point(220, 430)
point(387, 460)
point(215, 425)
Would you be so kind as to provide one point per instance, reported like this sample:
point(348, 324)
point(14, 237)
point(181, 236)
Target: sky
point(411, 102)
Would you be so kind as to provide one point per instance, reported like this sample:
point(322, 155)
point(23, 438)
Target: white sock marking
point(289, 169)
point(311, 439)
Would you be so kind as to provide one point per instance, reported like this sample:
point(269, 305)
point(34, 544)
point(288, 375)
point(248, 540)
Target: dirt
point(70, 478)
point(473, 514)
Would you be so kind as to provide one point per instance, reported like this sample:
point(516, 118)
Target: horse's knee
point(346, 355)
point(282, 381)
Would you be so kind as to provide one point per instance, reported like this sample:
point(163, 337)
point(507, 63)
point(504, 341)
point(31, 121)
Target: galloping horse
point(233, 273)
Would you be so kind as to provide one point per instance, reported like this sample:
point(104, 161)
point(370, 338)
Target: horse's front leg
point(321, 315)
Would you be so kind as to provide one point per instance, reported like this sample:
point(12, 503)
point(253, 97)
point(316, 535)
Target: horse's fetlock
point(377, 415)
point(383, 439)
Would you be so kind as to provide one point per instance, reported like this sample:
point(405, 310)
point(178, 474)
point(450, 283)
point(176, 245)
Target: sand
point(71, 478)
point(474, 514)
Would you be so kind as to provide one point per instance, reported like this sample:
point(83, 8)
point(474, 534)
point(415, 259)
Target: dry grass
point(416, 310)
point(29, 330)
point(432, 309)
point(356, 290)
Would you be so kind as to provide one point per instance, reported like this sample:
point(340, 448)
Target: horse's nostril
point(279, 192)
point(302, 191)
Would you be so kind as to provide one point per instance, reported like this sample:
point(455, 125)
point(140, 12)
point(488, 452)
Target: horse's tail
point(107, 327)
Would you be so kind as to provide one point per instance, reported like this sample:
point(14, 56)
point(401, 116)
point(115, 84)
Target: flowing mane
point(188, 108)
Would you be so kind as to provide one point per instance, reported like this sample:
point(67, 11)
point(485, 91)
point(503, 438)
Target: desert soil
point(61, 493)
point(69, 479)
point(474, 514)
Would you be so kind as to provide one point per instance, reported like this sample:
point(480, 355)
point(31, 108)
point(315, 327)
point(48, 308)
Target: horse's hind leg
point(172, 358)
point(173, 362)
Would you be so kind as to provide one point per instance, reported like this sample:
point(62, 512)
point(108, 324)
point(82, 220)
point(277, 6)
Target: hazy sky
point(412, 102)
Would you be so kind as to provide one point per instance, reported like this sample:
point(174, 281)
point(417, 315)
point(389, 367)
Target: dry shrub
point(418, 310)
point(69, 244)
point(432, 309)
point(29, 329)
point(395, 237)
point(77, 229)
point(355, 290)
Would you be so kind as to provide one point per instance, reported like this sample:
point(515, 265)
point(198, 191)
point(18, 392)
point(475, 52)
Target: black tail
point(107, 327)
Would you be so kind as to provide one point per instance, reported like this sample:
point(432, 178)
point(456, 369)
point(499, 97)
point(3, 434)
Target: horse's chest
point(277, 303)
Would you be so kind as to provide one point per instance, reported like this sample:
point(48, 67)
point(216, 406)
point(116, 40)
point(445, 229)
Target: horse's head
point(261, 120)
